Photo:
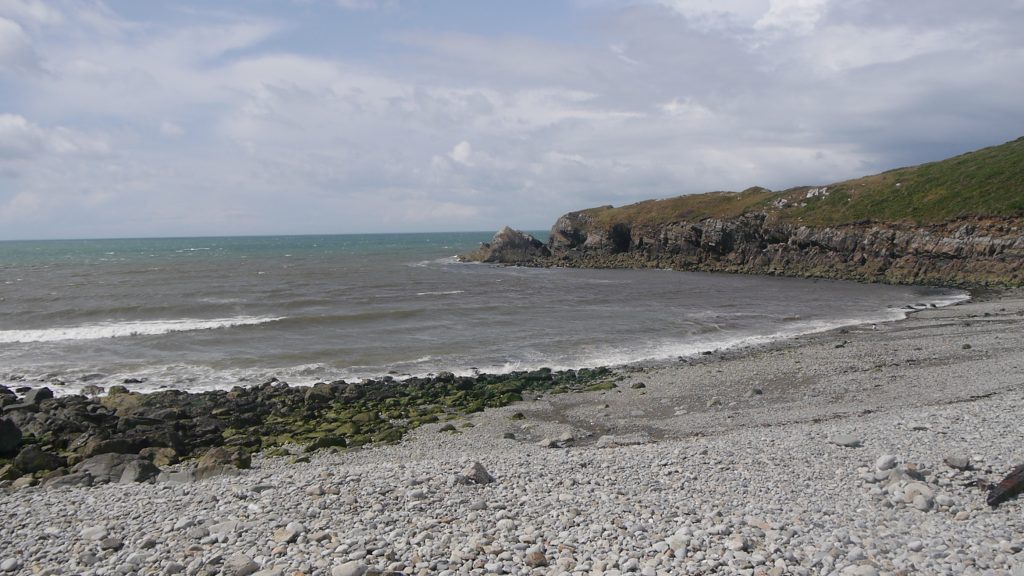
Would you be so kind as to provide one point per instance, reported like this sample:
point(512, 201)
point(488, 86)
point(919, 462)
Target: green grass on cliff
point(986, 182)
point(695, 207)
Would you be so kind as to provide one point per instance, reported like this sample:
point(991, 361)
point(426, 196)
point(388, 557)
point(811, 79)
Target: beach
point(854, 451)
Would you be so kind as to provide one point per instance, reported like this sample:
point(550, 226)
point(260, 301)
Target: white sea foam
point(122, 329)
point(443, 293)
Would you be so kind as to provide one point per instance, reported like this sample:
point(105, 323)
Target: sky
point(128, 118)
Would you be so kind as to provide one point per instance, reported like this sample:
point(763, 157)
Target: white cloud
point(171, 130)
point(798, 16)
point(20, 138)
point(16, 51)
point(461, 153)
point(131, 124)
point(31, 11)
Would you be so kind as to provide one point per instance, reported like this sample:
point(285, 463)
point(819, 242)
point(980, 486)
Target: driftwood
point(1007, 488)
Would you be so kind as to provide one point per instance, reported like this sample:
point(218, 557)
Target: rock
point(509, 246)
point(9, 472)
point(475, 473)
point(24, 482)
point(77, 479)
point(10, 565)
point(138, 470)
point(958, 461)
point(10, 437)
point(536, 559)
point(111, 543)
point(160, 457)
point(354, 568)
point(886, 462)
point(846, 440)
point(220, 456)
point(37, 395)
point(289, 533)
point(714, 402)
point(1009, 487)
point(93, 533)
point(548, 443)
point(238, 565)
point(111, 467)
point(638, 385)
point(33, 459)
point(611, 441)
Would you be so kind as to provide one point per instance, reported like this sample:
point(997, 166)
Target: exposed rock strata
point(965, 252)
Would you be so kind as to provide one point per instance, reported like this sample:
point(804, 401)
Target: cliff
point(958, 222)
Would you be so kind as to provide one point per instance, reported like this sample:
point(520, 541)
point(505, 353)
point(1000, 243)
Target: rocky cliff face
point(964, 252)
point(509, 247)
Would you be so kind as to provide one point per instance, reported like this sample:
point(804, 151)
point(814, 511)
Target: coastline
point(737, 467)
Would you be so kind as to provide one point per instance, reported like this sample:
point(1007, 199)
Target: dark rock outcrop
point(509, 247)
point(965, 252)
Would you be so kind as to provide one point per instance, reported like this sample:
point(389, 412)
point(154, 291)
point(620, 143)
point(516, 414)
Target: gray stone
point(611, 441)
point(846, 441)
point(958, 461)
point(138, 470)
point(10, 437)
point(239, 565)
point(354, 568)
point(93, 533)
point(886, 462)
point(37, 395)
point(10, 565)
point(33, 459)
point(77, 479)
point(111, 543)
point(477, 474)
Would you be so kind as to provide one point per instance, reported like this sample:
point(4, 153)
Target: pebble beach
point(856, 451)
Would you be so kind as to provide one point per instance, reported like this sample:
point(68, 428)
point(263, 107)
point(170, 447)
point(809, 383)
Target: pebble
point(694, 494)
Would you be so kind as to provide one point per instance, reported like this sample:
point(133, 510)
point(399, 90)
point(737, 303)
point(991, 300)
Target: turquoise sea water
point(198, 313)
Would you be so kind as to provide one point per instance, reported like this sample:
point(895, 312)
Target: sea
point(213, 313)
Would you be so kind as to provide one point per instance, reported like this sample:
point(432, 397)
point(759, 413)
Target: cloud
point(21, 139)
point(798, 16)
point(171, 130)
point(16, 51)
point(461, 153)
point(31, 11)
point(123, 126)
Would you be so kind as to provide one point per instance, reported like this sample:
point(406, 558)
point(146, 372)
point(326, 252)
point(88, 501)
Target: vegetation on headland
point(986, 182)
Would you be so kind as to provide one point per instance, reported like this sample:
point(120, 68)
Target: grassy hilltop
point(986, 182)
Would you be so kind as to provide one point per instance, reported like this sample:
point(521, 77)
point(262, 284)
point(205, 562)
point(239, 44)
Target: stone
point(138, 470)
point(846, 441)
point(353, 568)
point(611, 441)
point(37, 395)
point(958, 461)
point(239, 565)
point(111, 543)
point(10, 565)
point(219, 456)
point(110, 467)
point(509, 246)
point(33, 459)
point(160, 457)
point(9, 472)
point(536, 559)
point(77, 479)
point(93, 533)
point(10, 437)
point(638, 385)
point(475, 473)
point(886, 462)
